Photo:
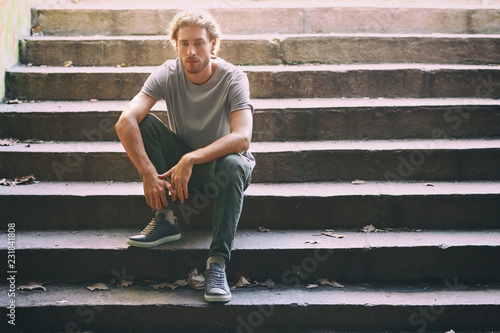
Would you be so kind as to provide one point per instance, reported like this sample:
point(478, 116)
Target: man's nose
point(191, 51)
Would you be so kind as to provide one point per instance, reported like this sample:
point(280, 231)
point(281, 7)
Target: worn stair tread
point(253, 240)
point(365, 296)
point(269, 37)
point(270, 147)
point(291, 309)
point(277, 103)
point(310, 189)
point(261, 68)
point(210, 4)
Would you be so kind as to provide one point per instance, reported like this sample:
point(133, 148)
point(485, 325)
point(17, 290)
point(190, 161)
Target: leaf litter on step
point(32, 285)
point(26, 180)
point(196, 280)
point(98, 286)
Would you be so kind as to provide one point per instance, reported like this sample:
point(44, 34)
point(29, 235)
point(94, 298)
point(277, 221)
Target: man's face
point(194, 48)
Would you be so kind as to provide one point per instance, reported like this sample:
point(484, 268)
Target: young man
point(206, 141)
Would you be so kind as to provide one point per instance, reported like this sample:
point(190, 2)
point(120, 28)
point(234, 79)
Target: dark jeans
point(224, 179)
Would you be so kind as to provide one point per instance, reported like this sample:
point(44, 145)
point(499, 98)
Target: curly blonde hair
point(199, 18)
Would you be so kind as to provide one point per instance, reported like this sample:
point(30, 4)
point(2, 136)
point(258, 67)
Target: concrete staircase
point(402, 95)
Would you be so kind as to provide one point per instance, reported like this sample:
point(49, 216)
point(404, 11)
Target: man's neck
point(205, 75)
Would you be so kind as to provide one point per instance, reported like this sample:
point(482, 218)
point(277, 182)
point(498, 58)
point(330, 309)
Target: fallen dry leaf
point(36, 29)
point(68, 63)
point(163, 285)
point(195, 280)
point(332, 234)
point(157, 286)
point(98, 286)
point(358, 182)
point(428, 184)
point(34, 285)
point(369, 228)
point(181, 283)
point(268, 283)
point(311, 242)
point(172, 286)
point(243, 282)
point(262, 229)
point(311, 286)
point(324, 282)
point(14, 101)
point(32, 141)
point(26, 180)
point(93, 100)
point(126, 283)
point(336, 284)
point(7, 142)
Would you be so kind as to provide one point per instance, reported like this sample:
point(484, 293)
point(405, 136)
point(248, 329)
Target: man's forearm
point(130, 136)
point(236, 142)
point(129, 133)
point(229, 144)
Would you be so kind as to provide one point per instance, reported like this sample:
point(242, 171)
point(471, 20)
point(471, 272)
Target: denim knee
point(148, 123)
point(232, 168)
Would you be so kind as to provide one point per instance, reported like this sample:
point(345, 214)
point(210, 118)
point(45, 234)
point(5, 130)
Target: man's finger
point(163, 200)
point(166, 174)
point(180, 194)
point(185, 191)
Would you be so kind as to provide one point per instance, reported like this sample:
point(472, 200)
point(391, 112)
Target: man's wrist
point(190, 158)
point(148, 172)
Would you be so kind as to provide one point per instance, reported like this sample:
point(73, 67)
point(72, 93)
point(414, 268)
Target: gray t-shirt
point(200, 114)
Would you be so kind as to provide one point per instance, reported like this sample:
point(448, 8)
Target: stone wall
point(14, 23)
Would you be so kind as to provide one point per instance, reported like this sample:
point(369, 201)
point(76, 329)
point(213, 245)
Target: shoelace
point(151, 226)
point(215, 279)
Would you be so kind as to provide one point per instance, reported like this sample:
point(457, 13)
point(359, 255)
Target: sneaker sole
point(217, 298)
point(155, 243)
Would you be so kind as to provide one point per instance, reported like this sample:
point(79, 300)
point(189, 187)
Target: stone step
point(436, 307)
point(430, 160)
point(101, 205)
point(132, 4)
point(269, 49)
point(281, 18)
point(275, 119)
point(387, 256)
point(303, 81)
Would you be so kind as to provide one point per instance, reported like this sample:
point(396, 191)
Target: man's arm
point(237, 141)
point(128, 131)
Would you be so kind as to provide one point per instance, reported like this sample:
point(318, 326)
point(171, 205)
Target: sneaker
point(216, 287)
point(157, 232)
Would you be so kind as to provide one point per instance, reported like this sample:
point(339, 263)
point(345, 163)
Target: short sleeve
point(156, 83)
point(239, 93)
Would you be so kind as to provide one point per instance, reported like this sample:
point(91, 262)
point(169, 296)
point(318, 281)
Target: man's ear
point(214, 42)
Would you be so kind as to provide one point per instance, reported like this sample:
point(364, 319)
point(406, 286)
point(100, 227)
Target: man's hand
point(179, 178)
point(154, 191)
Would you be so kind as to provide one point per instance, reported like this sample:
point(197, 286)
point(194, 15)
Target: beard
point(194, 68)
